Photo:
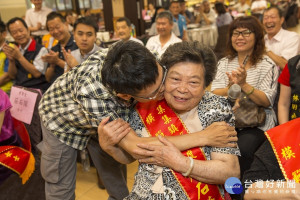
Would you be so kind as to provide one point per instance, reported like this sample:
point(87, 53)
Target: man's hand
point(220, 134)
point(51, 57)
point(110, 134)
point(11, 52)
point(71, 61)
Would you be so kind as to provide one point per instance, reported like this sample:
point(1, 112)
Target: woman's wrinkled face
point(243, 40)
point(184, 86)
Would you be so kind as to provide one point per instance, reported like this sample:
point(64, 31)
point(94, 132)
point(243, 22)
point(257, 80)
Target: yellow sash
point(160, 119)
point(285, 142)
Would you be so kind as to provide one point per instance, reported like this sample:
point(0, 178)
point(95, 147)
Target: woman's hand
point(239, 76)
point(166, 156)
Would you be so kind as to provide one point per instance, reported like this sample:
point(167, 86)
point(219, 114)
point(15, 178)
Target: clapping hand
point(51, 58)
point(12, 52)
point(71, 61)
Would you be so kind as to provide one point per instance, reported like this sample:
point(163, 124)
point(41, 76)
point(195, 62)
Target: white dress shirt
point(155, 45)
point(285, 44)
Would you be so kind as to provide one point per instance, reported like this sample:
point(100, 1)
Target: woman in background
point(257, 79)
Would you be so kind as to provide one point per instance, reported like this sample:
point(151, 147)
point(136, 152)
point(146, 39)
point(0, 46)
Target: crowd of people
point(162, 102)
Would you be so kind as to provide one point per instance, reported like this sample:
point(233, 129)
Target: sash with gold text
point(160, 119)
point(285, 142)
point(18, 159)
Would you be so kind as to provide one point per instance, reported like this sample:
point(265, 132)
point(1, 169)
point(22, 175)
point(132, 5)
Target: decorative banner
point(23, 103)
point(285, 142)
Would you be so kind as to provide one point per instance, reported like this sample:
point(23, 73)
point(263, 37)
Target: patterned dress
point(212, 108)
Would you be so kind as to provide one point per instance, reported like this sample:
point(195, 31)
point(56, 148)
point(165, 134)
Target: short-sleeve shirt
point(181, 24)
point(263, 77)
point(77, 101)
point(284, 77)
point(154, 44)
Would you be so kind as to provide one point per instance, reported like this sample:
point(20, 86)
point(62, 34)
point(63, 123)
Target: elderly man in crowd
point(206, 15)
point(179, 19)
point(123, 30)
point(58, 28)
point(165, 37)
point(25, 63)
point(281, 44)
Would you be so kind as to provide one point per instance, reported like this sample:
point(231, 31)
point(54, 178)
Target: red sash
point(18, 159)
point(160, 119)
point(285, 142)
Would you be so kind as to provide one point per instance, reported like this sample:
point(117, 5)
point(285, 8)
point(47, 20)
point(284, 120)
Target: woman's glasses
point(245, 33)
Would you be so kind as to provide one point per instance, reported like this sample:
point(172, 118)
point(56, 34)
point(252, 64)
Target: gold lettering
point(166, 119)
point(287, 153)
point(160, 109)
point(150, 119)
point(172, 129)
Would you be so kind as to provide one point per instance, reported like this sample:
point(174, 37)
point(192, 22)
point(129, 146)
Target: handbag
point(249, 114)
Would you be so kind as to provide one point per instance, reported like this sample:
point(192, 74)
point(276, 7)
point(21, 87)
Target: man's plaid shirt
point(76, 102)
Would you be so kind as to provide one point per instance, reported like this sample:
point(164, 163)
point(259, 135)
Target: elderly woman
point(257, 79)
point(197, 172)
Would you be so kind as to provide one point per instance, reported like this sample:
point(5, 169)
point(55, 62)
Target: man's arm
point(280, 61)
point(109, 141)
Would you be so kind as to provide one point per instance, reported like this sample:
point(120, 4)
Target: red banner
point(160, 119)
point(285, 142)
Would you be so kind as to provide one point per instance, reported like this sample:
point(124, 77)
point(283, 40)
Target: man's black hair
point(129, 68)
point(89, 21)
point(13, 20)
point(124, 19)
point(52, 16)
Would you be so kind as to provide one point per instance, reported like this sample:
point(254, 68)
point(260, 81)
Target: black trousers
point(249, 140)
point(112, 173)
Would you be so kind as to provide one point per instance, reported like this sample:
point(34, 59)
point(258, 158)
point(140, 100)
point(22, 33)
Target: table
point(207, 35)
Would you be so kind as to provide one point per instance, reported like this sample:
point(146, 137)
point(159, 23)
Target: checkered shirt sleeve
point(76, 102)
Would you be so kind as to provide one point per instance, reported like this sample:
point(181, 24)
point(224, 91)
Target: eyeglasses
point(244, 33)
point(156, 92)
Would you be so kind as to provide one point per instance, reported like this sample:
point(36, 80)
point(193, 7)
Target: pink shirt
point(7, 129)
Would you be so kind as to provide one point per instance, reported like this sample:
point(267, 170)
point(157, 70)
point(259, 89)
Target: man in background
point(123, 30)
point(281, 44)
point(189, 17)
point(35, 18)
point(58, 28)
point(206, 16)
point(25, 63)
point(179, 19)
point(165, 37)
